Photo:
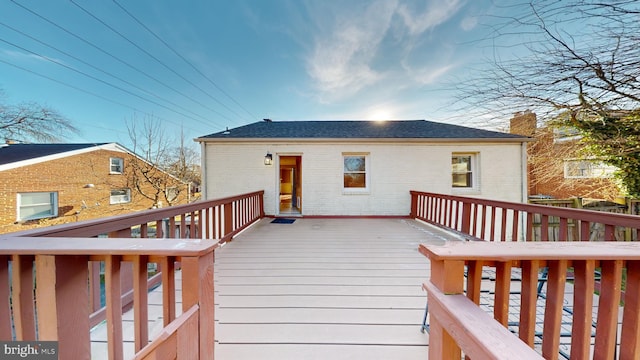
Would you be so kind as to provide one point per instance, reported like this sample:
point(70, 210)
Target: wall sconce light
point(268, 159)
point(89, 186)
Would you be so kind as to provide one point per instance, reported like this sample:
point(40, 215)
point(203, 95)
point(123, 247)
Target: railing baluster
point(474, 280)
point(22, 298)
point(492, 235)
point(168, 290)
point(114, 306)
point(529, 300)
point(630, 339)
point(609, 232)
point(544, 227)
point(563, 230)
point(503, 225)
point(5, 311)
point(503, 290)
point(515, 225)
point(553, 308)
point(607, 323)
point(583, 290)
point(140, 302)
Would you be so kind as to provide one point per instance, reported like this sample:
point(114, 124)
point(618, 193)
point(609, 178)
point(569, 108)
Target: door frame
point(298, 191)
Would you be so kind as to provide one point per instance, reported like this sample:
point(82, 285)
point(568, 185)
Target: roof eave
point(363, 140)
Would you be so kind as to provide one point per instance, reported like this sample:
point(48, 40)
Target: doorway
point(290, 192)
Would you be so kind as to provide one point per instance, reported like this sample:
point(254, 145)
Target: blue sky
point(230, 63)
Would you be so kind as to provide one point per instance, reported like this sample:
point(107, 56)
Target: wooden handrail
point(448, 264)
point(61, 299)
point(493, 220)
point(65, 256)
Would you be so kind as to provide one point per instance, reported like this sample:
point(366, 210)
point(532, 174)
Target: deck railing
point(67, 261)
point(457, 323)
point(515, 241)
point(509, 221)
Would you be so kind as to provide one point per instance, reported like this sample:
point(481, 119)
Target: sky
point(199, 67)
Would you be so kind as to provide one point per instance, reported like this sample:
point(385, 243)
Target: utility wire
point(100, 70)
point(153, 57)
point(183, 58)
point(95, 78)
point(90, 93)
point(117, 59)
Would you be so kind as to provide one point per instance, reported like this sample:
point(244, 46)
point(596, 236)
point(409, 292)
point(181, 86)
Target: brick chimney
point(523, 123)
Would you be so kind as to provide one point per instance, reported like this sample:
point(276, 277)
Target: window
point(120, 196)
point(462, 171)
point(37, 205)
point(117, 165)
point(577, 169)
point(355, 172)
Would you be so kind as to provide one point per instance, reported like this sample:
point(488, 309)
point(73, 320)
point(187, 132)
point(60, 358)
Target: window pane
point(354, 163)
point(37, 205)
point(461, 163)
point(355, 181)
point(462, 180)
point(35, 198)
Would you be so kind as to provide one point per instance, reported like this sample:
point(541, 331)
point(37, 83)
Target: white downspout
point(203, 171)
point(525, 187)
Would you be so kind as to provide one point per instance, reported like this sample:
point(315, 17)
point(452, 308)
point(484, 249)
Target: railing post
point(63, 304)
point(197, 288)
point(448, 277)
point(414, 205)
point(22, 297)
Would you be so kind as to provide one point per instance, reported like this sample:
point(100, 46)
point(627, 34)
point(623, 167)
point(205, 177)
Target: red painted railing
point(517, 244)
point(508, 221)
point(67, 257)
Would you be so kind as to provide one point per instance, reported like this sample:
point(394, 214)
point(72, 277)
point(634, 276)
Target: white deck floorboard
point(315, 289)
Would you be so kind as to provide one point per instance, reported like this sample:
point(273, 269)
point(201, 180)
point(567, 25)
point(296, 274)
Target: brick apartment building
point(47, 184)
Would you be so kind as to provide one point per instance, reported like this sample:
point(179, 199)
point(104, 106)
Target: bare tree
point(33, 122)
point(575, 61)
point(161, 171)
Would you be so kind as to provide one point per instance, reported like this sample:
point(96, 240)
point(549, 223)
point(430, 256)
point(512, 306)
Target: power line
point(100, 70)
point(89, 92)
point(116, 58)
point(183, 58)
point(95, 78)
point(153, 57)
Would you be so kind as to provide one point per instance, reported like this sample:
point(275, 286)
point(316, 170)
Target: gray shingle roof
point(19, 152)
point(401, 129)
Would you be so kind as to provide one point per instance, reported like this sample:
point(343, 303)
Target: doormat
point(283, 221)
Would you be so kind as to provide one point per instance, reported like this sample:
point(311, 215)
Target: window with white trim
point(463, 171)
point(116, 165)
point(120, 196)
point(355, 172)
point(587, 169)
point(37, 205)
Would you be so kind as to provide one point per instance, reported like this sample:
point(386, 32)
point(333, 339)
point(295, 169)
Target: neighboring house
point(46, 184)
point(558, 169)
point(360, 168)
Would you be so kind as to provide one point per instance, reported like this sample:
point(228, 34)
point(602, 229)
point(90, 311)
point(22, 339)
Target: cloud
point(366, 47)
point(469, 23)
point(341, 60)
point(435, 13)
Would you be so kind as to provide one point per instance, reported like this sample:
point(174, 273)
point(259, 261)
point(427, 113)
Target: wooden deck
point(317, 289)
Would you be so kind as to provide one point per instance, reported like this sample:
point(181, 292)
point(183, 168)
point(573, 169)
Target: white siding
point(395, 169)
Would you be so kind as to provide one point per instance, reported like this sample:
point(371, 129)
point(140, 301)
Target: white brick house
point(360, 168)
